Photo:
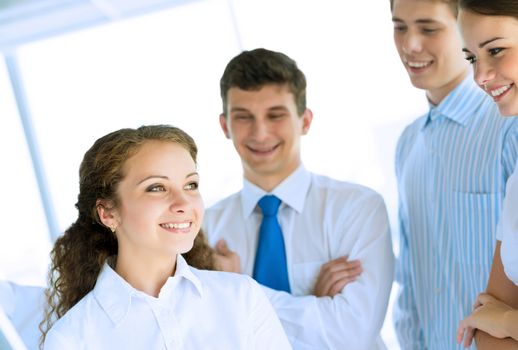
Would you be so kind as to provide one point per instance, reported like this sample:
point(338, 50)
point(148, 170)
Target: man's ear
point(106, 213)
point(224, 125)
point(307, 118)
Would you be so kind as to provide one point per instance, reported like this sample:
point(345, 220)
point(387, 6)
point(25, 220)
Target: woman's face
point(160, 208)
point(491, 45)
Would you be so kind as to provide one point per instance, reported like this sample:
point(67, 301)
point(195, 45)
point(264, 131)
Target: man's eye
point(399, 28)
point(471, 59)
point(429, 30)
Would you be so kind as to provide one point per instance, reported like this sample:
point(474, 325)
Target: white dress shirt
point(195, 310)
point(321, 219)
point(507, 230)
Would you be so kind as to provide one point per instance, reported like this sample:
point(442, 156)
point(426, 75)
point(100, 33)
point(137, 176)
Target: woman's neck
point(145, 273)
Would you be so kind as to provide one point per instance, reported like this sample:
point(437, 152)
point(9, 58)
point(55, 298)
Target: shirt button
point(437, 290)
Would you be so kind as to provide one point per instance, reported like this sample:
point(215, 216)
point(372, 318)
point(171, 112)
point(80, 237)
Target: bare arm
point(503, 289)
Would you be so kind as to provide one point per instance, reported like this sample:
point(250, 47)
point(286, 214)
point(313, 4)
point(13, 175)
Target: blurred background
point(73, 70)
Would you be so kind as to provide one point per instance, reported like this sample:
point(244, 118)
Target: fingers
point(460, 333)
point(335, 275)
point(340, 284)
point(468, 339)
point(466, 332)
point(222, 247)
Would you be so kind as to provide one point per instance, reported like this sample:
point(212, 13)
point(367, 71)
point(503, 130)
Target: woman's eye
point(192, 186)
point(155, 188)
point(495, 51)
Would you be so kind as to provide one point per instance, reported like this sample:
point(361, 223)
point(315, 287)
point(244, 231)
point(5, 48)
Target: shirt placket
point(169, 326)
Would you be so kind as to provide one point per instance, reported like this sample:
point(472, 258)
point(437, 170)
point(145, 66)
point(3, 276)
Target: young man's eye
point(429, 30)
point(495, 51)
point(471, 59)
point(192, 186)
point(243, 117)
point(399, 28)
point(277, 115)
point(155, 188)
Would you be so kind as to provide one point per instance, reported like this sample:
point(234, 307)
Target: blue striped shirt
point(451, 165)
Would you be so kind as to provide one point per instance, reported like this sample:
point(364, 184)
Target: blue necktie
point(270, 267)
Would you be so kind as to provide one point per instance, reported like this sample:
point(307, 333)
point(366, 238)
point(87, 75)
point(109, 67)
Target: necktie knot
point(269, 205)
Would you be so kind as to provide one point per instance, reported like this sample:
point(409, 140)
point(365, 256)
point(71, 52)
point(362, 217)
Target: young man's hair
point(251, 70)
point(491, 7)
point(453, 4)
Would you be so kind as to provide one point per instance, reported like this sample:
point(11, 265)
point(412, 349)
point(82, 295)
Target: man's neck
point(268, 182)
point(436, 96)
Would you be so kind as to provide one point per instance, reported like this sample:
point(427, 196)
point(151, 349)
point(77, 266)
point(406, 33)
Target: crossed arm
point(340, 313)
point(333, 277)
point(494, 322)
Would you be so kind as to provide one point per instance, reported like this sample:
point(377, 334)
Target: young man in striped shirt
point(451, 165)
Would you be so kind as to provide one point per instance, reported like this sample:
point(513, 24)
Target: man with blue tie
point(320, 247)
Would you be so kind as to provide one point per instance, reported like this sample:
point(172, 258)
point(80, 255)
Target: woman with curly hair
point(125, 274)
point(490, 32)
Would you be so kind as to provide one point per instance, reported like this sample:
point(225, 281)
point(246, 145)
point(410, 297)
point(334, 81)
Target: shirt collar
point(114, 294)
point(459, 105)
point(291, 191)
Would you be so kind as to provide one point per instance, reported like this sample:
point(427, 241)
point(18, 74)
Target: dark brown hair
point(251, 70)
point(491, 7)
point(78, 255)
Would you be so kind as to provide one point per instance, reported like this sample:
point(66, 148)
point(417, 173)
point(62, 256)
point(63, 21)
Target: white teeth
point(418, 64)
point(500, 90)
point(177, 226)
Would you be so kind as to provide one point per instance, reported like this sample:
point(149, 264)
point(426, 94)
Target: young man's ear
point(307, 118)
point(106, 213)
point(224, 125)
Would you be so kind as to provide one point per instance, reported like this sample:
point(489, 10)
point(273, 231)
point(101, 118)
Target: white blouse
point(508, 228)
point(195, 309)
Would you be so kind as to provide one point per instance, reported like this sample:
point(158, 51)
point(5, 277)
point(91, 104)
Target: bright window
point(164, 67)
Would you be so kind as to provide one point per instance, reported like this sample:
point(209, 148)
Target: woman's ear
point(106, 213)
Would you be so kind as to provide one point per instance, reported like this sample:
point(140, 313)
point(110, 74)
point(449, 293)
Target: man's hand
point(335, 275)
point(225, 259)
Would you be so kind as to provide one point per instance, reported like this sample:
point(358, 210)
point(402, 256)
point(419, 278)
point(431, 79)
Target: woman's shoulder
point(226, 281)
point(66, 329)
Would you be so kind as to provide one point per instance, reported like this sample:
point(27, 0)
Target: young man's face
point(265, 128)
point(428, 42)
point(491, 44)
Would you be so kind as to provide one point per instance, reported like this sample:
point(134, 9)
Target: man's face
point(429, 45)
point(265, 129)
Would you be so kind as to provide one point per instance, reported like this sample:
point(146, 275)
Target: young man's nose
point(412, 43)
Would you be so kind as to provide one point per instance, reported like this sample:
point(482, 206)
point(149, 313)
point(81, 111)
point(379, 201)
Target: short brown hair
point(453, 5)
point(251, 70)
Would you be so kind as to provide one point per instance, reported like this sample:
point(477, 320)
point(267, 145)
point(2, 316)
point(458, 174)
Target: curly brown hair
point(78, 255)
